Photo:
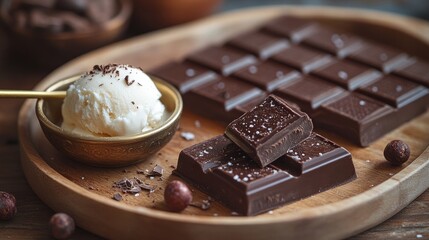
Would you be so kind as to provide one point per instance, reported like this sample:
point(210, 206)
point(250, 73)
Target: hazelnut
point(7, 206)
point(177, 196)
point(397, 152)
point(62, 226)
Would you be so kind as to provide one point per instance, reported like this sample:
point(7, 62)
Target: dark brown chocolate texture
point(222, 170)
point(302, 58)
point(270, 129)
point(184, 76)
point(328, 64)
point(224, 60)
point(309, 92)
point(267, 75)
point(258, 43)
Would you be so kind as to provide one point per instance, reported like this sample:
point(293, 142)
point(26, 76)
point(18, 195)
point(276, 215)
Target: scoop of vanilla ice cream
point(112, 100)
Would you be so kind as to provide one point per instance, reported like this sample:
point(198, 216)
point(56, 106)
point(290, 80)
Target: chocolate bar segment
point(224, 60)
point(216, 98)
point(269, 130)
point(309, 93)
point(333, 42)
point(267, 75)
point(302, 58)
point(291, 27)
point(395, 91)
point(346, 74)
point(416, 70)
point(356, 117)
point(239, 183)
point(184, 75)
point(384, 58)
point(259, 44)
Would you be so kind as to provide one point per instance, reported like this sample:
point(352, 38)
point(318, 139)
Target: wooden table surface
point(31, 221)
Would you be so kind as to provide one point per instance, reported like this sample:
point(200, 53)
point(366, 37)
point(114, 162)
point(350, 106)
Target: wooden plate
point(85, 192)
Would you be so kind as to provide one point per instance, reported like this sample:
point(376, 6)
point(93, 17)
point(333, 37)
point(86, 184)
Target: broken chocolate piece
point(222, 170)
point(269, 130)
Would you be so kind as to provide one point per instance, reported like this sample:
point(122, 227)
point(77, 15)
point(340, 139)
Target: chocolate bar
point(223, 171)
point(222, 59)
point(302, 58)
point(319, 66)
point(219, 96)
point(259, 44)
point(270, 129)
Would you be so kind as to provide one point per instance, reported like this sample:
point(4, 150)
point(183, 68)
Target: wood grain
point(379, 192)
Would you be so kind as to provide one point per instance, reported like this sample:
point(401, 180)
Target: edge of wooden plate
point(115, 220)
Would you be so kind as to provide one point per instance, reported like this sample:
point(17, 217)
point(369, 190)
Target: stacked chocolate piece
point(267, 157)
point(349, 85)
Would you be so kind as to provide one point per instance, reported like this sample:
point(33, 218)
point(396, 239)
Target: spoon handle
point(31, 94)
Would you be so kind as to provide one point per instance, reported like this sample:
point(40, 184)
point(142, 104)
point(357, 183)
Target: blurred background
point(47, 33)
point(415, 8)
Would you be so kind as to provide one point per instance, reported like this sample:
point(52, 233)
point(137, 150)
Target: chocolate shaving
point(204, 205)
point(133, 186)
point(157, 171)
point(117, 197)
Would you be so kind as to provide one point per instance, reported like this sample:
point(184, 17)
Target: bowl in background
point(155, 14)
point(108, 151)
point(53, 49)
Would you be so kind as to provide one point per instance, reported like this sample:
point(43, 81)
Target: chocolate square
point(332, 41)
point(218, 97)
point(417, 70)
point(267, 75)
point(269, 130)
point(258, 43)
point(224, 60)
point(184, 75)
point(302, 58)
point(313, 153)
point(395, 91)
point(347, 74)
point(309, 92)
point(356, 117)
point(291, 27)
point(382, 57)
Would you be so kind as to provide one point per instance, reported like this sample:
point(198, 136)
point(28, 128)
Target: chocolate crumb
point(156, 171)
point(117, 197)
point(204, 205)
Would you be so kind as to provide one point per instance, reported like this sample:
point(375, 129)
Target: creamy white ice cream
point(112, 100)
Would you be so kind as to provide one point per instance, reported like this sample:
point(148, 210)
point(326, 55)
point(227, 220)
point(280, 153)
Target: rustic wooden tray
point(86, 192)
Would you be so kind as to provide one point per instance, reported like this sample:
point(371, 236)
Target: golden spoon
point(31, 94)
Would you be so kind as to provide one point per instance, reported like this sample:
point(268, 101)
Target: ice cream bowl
point(105, 151)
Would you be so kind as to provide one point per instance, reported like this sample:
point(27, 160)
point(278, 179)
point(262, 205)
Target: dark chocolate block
point(224, 60)
point(416, 70)
point(267, 75)
point(356, 117)
point(241, 109)
point(269, 130)
point(216, 98)
point(293, 28)
point(184, 75)
point(379, 56)
point(309, 92)
point(395, 91)
point(302, 58)
point(331, 41)
point(222, 170)
point(346, 74)
point(258, 43)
